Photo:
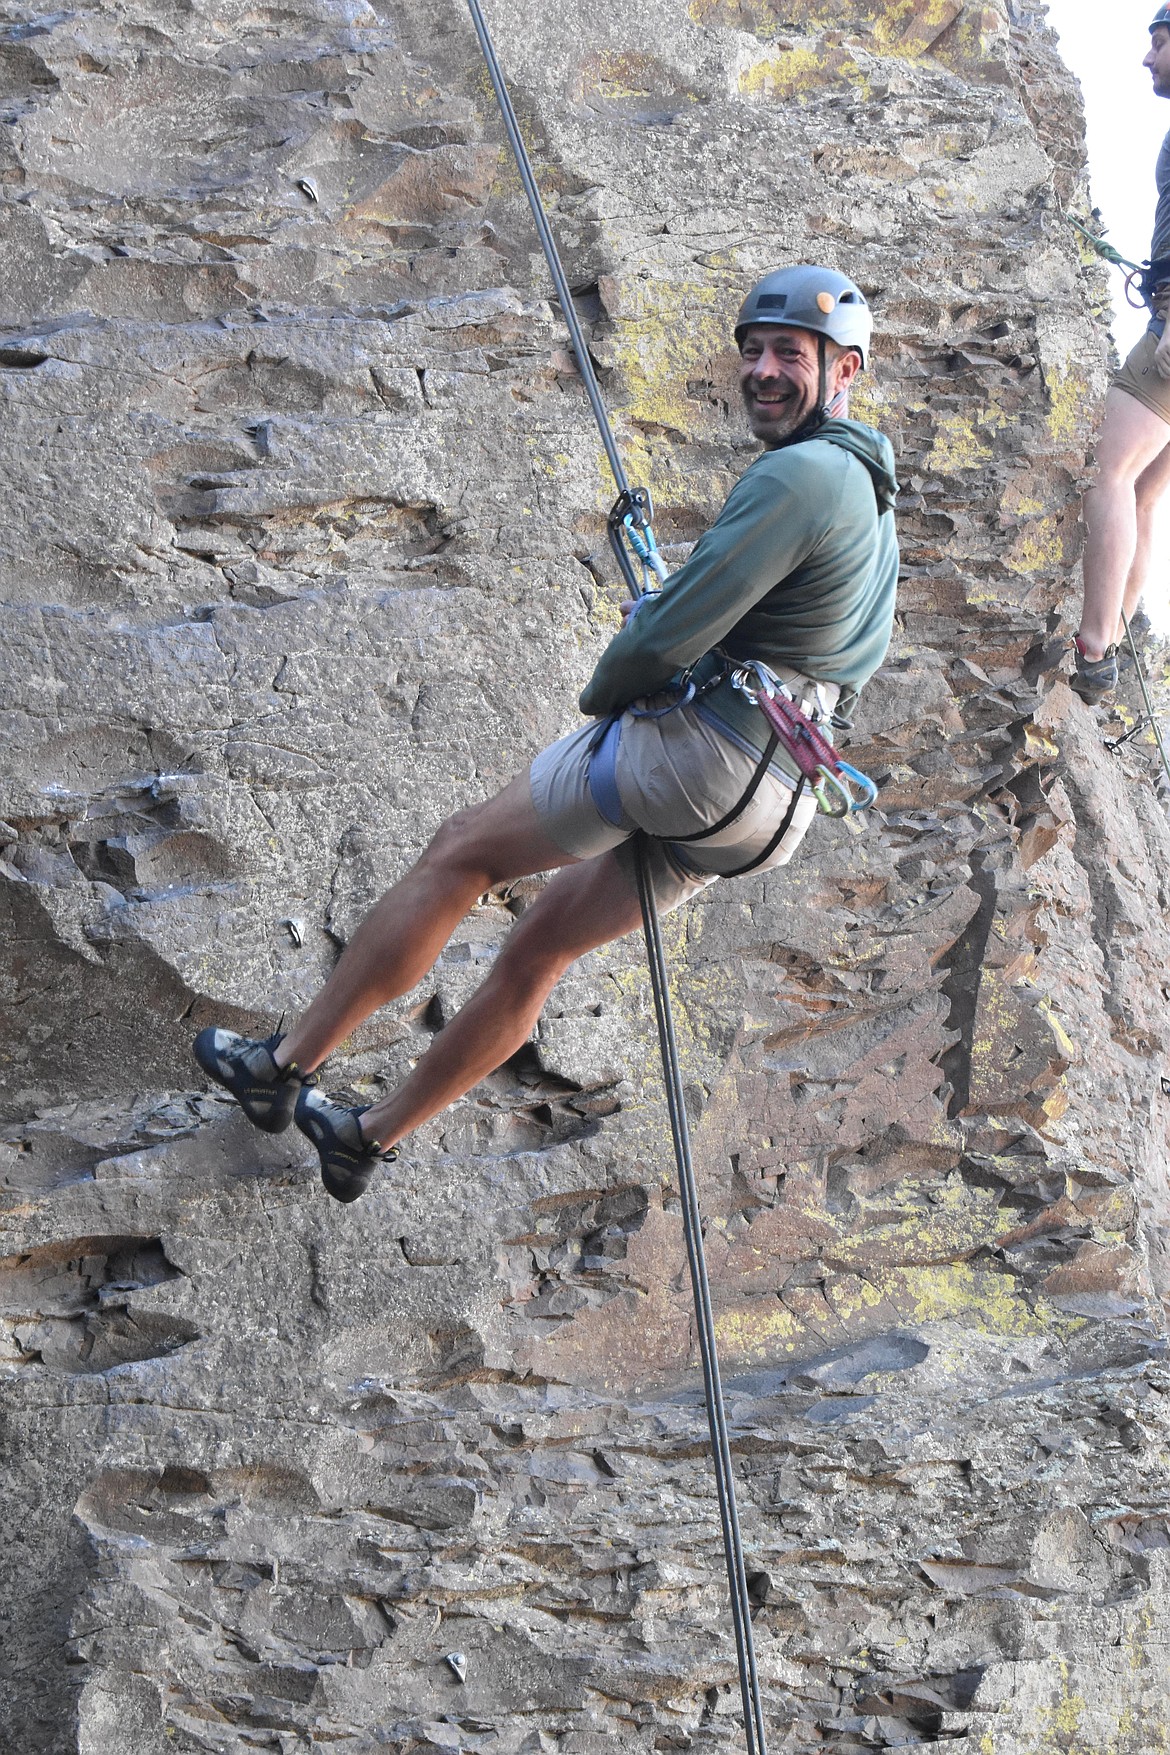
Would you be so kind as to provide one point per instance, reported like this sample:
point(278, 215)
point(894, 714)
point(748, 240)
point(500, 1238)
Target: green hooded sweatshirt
point(799, 568)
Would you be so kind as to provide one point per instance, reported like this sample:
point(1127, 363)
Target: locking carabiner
point(833, 806)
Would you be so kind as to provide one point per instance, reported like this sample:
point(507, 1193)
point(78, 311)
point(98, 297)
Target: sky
point(1126, 123)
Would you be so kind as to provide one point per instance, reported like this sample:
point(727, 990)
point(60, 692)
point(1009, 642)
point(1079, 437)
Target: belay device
point(632, 537)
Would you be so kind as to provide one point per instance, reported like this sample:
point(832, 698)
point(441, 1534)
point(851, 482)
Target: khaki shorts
point(674, 775)
point(1139, 377)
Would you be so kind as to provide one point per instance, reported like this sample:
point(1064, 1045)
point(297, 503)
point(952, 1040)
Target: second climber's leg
point(1131, 438)
point(1151, 495)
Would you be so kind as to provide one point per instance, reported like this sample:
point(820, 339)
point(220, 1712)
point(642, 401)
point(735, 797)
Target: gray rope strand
point(753, 1711)
point(1141, 676)
point(548, 242)
point(749, 1681)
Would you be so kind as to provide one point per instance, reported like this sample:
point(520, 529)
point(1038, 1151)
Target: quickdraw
point(630, 522)
point(830, 779)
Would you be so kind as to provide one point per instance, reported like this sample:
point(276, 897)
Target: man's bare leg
point(1153, 487)
point(1131, 439)
point(580, 909)
point(402, 935)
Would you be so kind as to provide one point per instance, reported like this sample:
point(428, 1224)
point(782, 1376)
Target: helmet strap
point(824, 409)
point(819, 413)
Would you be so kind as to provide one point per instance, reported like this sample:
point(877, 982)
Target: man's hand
point(1162, 311)
point(631, 605)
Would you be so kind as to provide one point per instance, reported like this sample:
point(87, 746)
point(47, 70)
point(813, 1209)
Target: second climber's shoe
point(1141, 628)
point(1141, 639)
point(267, 1093)
point(348, 1161)
point(1094, 678)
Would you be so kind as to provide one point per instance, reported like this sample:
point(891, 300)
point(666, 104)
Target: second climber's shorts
point(675, 774)
point(1139, 377)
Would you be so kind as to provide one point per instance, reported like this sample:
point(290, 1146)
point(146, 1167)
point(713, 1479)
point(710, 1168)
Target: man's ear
point(845, 368)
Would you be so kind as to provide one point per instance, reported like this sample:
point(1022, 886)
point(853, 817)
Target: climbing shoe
point(1094, 678)
point(1149, 645)
point(1142, 629)
point(348, 1161)
point(267, 1093)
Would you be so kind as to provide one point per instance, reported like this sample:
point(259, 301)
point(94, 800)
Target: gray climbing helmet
point(1162, 16)
point(818, 299)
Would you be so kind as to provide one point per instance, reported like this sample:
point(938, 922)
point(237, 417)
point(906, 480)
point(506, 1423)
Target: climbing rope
point(630, 521)
point(1151, 716)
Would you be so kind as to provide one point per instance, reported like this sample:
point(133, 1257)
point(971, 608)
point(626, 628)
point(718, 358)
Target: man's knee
point(495, 840)
point(1153, 485)
point(456, 842)
point(1115, 478)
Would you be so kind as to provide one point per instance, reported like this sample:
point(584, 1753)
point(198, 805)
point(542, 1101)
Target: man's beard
point(777, 422)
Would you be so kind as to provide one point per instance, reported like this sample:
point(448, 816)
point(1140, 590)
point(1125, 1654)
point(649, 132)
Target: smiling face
point(780, 382)
point(1158, 60)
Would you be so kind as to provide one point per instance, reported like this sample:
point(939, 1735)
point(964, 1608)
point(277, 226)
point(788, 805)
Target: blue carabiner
point(841, 801)
point(645, 546)
point(868, 787)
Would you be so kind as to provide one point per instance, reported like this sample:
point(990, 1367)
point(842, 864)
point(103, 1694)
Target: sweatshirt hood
point(871, 447)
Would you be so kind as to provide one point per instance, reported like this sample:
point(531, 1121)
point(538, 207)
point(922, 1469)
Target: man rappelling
point(1133, 451)
point(790, 593)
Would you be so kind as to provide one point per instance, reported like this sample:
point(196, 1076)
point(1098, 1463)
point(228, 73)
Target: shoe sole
point(279, 1101)
point(350, 1189)
point(344, 1185)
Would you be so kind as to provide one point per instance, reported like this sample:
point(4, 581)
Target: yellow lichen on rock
point(1037, 548)
point(989, 1301)
point(665, 332)
point(1068, 393)
point(796, 73)
point(910, 27)
point(957, 444)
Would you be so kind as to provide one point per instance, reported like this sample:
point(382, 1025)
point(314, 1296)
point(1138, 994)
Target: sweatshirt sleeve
point(772, 520)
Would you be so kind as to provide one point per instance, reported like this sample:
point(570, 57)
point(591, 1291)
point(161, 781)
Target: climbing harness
point(603, 788)
point(630, 519)
point(830, 779)
point(1150, 718)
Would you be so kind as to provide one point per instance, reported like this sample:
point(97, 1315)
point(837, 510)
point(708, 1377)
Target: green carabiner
point(842, 804)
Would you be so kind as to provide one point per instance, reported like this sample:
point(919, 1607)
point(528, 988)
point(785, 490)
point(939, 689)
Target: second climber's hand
point(629, 604)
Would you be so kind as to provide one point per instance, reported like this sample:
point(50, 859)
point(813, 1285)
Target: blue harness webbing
point(603, 772)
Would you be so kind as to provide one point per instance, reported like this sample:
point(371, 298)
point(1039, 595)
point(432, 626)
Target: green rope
point(1104, 250)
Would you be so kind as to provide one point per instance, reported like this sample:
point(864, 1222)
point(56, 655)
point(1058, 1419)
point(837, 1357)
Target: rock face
point(303, 548)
